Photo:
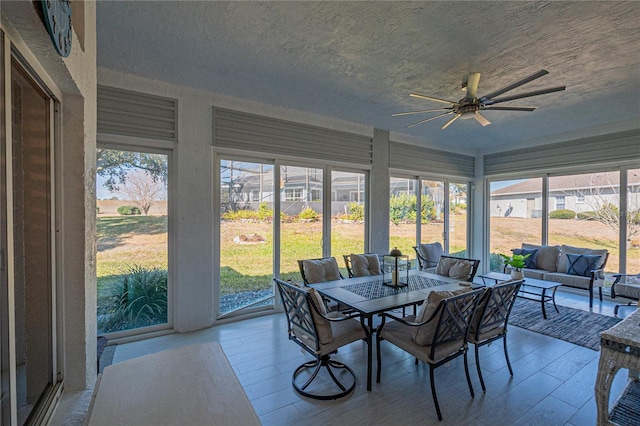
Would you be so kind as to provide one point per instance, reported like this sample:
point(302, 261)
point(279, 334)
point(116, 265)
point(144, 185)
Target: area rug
point(571, 325)
point(627, 410)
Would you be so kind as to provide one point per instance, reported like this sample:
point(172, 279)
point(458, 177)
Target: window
point(458, 199)
point(293, 194)
point(246, 236)
point(132, 240)
point(593, 223)
point(579, 199)
point(514, 218)
point(402, 214)
point(633, 222)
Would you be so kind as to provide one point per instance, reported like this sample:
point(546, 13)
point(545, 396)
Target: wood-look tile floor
point(553, 381)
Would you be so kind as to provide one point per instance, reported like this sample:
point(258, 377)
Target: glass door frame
point(41, 82)
point(152, 147)
point(447, 181)
point(277, 164)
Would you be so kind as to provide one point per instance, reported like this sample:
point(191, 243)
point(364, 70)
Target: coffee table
point(531, 288)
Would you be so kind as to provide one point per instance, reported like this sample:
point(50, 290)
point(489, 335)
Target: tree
point(142, 189)
point(601, 193)
point(115, 165)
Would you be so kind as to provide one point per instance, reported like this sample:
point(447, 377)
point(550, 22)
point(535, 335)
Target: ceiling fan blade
point(431, 98)
point(472, 85)
point(509, 108)
point(527, 95)
point(429, 119)
point(454, 118)
point(419, 112)
point(514, 85)
point(481, 119)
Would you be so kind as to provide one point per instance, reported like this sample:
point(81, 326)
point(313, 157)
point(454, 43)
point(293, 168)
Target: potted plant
point(516, 262)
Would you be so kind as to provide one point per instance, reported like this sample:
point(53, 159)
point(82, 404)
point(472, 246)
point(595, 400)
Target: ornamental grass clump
point(137, 298)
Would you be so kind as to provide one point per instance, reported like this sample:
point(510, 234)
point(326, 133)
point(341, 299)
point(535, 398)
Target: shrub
point(403, 209)
point(308, 214)
point(562, 214)
point(128, 210)
point(137, 298)
point(355, 212)
point(264, 213)
point(590, 215)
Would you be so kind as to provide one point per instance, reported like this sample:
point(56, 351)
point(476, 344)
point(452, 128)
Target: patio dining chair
point(319, 270)
point(626, 286)
point(320, 334)
point(490, 320)
point(428, 256)
point(436, 335)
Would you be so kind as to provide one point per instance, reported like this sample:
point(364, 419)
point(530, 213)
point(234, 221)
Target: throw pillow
point(581, 264)
point(321, 270)
point(529, 262)
point(363, 265)
point(424, 334)
point(460, 269)
point(443, 266)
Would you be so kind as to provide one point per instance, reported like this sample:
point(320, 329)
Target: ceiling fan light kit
point(470, 106)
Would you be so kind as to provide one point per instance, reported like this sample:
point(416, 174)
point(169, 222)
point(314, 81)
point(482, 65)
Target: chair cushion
point(363, 265)
point(321, 270)
point(628, 289)
point(529, 262)
point(431, 252)
point(547, 256)
point(401, 335)
point(424, 334)
point(455, 268)
point(572, 280)
point(563, 262)
point(581, 264)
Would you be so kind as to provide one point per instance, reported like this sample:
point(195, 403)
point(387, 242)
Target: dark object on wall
point(57, 19)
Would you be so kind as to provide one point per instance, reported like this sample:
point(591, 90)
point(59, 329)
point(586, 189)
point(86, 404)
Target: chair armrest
point(597, 274)
point(409, 323)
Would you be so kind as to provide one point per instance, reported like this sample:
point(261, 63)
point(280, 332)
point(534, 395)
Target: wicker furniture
point(619, 348)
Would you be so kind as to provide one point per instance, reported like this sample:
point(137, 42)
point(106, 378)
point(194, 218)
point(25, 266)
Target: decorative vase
point(517, 274)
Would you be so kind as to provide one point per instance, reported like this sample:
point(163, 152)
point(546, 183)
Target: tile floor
point(553, 380)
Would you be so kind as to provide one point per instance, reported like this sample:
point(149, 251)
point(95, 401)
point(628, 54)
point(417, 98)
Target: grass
point(127, 241)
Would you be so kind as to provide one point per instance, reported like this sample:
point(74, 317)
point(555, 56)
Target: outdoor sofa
point(572, 266)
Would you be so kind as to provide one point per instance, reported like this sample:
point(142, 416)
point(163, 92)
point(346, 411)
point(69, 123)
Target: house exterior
point(580, 193)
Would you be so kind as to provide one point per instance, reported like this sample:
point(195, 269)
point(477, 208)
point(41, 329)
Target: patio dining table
point(369, 296)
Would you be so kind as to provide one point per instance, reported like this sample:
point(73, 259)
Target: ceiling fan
point(470, 106)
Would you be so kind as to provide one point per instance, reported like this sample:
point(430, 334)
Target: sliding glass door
point(32, 246)
point(348, 203)
point(246, 235)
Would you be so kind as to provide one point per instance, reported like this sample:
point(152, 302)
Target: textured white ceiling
point(358, 61)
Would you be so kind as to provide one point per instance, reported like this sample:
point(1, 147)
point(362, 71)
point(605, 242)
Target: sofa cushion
point(363, 265)
point(582, 264)
point(537, 274)
point(547, 257)
point(563, 265)
point(572, 280)
point(529, 262)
